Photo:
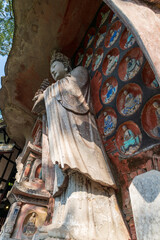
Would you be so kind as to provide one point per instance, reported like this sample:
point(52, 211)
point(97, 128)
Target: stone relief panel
point(109, 90)
point(87, 58)
point(89, 37)
point(125, 97)
point(97, 59)
point(29, 219)
point(96, 81)
point(103, 15)
point(130, 64)
point(112, 17)
point(107, 121)
point(100, 37)
point(151, 117)
point(113, 34)
point(129, 99)
point(126, 40)
point(110, 61)
point(128, 138)
point(122, 80)
point(29, 225)
point(38, 172)
point(148, 77)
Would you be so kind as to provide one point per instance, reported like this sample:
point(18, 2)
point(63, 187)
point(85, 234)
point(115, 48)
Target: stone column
point(10, 221)
point(145, 200)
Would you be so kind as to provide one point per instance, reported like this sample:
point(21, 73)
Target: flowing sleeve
point(73, 91)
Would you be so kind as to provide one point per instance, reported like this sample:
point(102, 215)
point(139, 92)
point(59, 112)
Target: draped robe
point(73, 136)
point(85, 207)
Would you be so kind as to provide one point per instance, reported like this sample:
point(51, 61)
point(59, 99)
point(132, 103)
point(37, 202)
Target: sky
point(2, 64)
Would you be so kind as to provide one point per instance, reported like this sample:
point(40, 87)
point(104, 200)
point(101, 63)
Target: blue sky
point(2, 64)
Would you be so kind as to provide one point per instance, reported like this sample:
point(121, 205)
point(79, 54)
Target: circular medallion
point(87, 58)
point(112, 17)
point(89, 37)
point(127, 39)
point(95, 86)
point(110, 61)
point(148, 77)
point(102, 16)
point(97, 59)
point(109, 90)
point(79, 57)
point(100, 37)
point(130, 64)
point(151, 117)
point(107, 121)
point(128, 138)
point(129, 99)
point(113, 34)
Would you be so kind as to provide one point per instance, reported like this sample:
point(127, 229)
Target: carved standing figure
point(30, 228)
point(84, 188)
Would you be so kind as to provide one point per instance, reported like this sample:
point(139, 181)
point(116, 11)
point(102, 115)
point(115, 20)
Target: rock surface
point(40, 26)
point(145, 200)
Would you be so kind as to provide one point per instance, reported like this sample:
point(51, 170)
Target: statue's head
point(125, 92)
point(33, 214)
point(127, 59)
point(124, 127)
point(59, 65)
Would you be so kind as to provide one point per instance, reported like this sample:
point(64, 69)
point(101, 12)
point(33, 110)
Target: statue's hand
point(39, 105)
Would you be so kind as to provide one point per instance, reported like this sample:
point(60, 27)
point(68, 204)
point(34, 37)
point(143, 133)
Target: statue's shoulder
point(79, 71)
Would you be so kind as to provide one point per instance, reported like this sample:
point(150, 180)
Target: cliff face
point(40, 26)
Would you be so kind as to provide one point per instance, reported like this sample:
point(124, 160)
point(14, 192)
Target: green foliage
point(6, 26)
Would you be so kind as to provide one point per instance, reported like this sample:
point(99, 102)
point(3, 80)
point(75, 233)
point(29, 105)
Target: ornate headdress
point(58, 56)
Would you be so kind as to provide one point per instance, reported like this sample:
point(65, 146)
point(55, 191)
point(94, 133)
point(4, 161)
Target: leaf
point(6, 26)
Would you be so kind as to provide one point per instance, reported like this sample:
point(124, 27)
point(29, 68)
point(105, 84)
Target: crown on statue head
point(58, 56)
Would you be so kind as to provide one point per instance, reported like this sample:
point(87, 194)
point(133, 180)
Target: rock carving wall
point(126, 100)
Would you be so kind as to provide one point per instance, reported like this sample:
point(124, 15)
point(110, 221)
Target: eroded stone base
point(85, 210)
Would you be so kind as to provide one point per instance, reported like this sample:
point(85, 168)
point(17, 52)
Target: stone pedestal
point(145, 200)
point(31, 204)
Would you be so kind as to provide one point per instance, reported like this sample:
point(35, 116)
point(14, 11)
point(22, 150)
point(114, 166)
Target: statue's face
point(58, 70)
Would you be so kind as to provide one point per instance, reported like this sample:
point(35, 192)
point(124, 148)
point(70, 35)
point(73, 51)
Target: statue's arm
point(39, 105)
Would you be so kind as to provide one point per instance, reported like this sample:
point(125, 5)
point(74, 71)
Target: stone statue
point(112, 62)
point(114, 35)
point(131, 142)
point(111, 91)
point(84, 188)
point(131, 103)
point(156, 129)
point(29, 227)
point(133, 66)
point(130, 40)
